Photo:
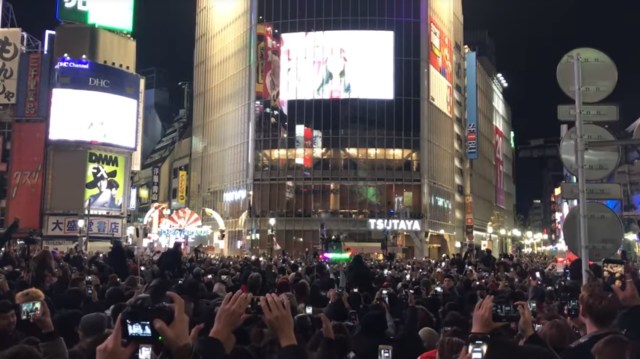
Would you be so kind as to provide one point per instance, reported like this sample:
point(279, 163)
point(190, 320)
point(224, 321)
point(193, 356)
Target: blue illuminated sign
point(82, 74)
point(472, 107)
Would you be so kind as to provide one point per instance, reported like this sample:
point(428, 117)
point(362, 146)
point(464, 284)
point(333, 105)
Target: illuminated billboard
point(440, 68)
point(94, 103)
point(104, 185)
point(109, 14)
point(337, 65)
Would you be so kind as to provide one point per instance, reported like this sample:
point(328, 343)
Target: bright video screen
point(95, 117)
point(337, 65)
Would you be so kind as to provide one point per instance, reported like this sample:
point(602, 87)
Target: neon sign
point(395, 224)
point(181, 233)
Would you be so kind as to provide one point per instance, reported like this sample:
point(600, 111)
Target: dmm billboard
point(24, 197)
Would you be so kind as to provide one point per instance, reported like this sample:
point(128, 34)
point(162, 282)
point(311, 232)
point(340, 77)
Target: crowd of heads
point(130, 302)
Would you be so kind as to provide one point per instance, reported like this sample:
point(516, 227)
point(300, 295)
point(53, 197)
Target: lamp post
point(490, 232)
point(272, 235)
point(80, 228)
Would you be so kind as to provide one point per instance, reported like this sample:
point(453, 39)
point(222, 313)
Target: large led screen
point(94, 103)
point(336, 65)
point(91, 116)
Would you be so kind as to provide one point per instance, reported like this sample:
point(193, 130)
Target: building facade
point(490, 150)
point(343, 120)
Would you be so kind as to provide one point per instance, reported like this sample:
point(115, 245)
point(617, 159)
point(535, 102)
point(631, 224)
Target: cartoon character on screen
point(333, 70)
point(107, 188)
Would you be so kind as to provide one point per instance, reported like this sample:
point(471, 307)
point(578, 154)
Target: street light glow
point(272, 222)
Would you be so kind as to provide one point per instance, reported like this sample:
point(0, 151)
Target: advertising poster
point(337, 65)
point(94, 103)
point(472, 107)
point(24, 194)
point(104, 186)
point(499, 167)
point(9, 63)
point(182, 187)
point(271, 69)
point(260, 51)
point(440, 68)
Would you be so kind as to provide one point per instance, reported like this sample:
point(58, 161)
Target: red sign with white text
point(499, 168)
point(24, 195)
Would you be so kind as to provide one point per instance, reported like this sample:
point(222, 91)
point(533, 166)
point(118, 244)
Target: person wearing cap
point(8, 334)
point(92, 325)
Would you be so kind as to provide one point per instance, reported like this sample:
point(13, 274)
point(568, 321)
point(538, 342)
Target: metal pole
point(582, 184)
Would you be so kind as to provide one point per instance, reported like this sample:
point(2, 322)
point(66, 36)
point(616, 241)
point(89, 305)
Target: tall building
point(490, 150)
point(93, 132)
point(345, 120)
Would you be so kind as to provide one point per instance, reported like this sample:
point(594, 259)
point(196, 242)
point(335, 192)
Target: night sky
point(530, 36)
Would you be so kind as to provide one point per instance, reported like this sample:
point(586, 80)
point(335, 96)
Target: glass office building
point(340, 118)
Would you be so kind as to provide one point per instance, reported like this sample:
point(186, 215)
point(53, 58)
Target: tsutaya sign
point(395, 224)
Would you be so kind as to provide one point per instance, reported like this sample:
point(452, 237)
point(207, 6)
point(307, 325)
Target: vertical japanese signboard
point(472, 107)
point(25, 179)
point(499, 167)
point(182, 187)
point(9, 62)
point(34, 66)
point(155, 184)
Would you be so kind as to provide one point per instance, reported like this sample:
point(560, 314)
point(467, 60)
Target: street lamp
point(272, 234)
point(503, 232)
point(80, 228)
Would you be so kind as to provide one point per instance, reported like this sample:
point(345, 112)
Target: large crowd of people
point(122, 304)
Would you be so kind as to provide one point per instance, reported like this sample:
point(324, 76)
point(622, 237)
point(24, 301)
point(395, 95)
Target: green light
point(109, 14)
point(513, 140)
point(337, 256)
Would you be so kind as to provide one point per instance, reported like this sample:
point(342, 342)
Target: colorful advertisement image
point(441, 68)
point(337, 65)
point(94, 103)
point(104, 186)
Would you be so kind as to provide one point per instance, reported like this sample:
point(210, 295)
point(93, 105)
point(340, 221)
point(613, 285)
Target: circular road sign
point(599, 74)
point(605, 231)
point(599, 162)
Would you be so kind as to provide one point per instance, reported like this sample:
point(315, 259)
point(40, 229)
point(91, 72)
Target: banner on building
point(9, 64)
point(31, 104)
point(440, 68)
point(499, 167)
point(182, 187)
point(95, 226)
point(104, 186)
point(472, 107)
point(24, 195)
point(468, 215)
point(155, 184)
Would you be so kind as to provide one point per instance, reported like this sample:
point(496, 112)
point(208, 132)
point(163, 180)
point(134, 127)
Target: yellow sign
point(182, 187)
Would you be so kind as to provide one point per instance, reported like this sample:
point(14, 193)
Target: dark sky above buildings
point(530, 36)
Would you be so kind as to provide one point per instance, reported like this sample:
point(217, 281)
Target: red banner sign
point(33, 85)
point(24, 196)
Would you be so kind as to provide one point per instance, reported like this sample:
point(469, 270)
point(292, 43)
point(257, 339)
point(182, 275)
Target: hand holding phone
point(478, 345)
